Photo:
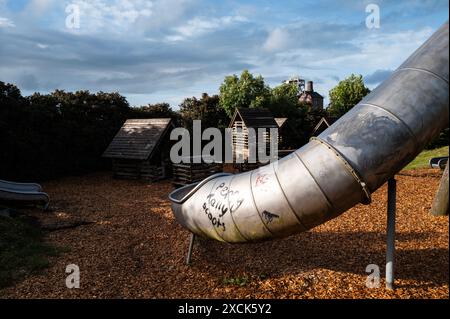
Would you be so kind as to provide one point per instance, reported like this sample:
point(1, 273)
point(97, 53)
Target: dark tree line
point(62, 133)
point(44, 136)
point(206, 109)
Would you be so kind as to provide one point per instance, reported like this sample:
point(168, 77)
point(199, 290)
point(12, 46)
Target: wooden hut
point(281, 122)
point(243, 119)
point(141, 149)
point(284, 137)
point(323, 124)
point(282, 125)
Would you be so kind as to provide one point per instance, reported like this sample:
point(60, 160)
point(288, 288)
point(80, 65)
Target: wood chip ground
point(128, 245)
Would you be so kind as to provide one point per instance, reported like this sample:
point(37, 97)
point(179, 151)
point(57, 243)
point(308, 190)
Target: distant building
point(300, 83)
point(309, 96)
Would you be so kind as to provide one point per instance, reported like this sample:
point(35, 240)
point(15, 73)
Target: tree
point(8, 90)
point(441, 140)
point(284, 100)
point(347, 94)
point(48, 135)
point(243, 91)
point(206, 109)
point(158, 110)
point(284, 103)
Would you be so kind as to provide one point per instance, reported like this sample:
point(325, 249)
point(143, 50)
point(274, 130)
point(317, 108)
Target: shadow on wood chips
point(128, 245)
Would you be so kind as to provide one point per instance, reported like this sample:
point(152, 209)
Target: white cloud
point(42, 46)
point(199, 26)
point(277, 40)
point(115, 16)
point(6, 23)
point(143, 46)
point(168, 13)
point(39, 7)
point(375, 51)
point(394, 47)
point(348, 50)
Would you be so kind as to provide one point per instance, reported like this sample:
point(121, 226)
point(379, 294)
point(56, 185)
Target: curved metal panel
point(335, 171)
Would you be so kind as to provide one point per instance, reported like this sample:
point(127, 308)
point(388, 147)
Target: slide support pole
point(390, 238)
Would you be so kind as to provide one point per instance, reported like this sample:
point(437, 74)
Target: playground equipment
point(23, 193)
point(441, 200)
point(335, 171)
point(438, 162)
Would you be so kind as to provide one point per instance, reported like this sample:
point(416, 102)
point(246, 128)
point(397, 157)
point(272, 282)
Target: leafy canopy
point(244, 91)
point(206, 109)
point(347, 94)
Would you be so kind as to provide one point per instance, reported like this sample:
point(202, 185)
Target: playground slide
point(438, 162)
point(335, 171)
point(20, 186)
point(23, 193)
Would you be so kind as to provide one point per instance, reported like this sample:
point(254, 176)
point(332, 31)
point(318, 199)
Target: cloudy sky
point(166, 50)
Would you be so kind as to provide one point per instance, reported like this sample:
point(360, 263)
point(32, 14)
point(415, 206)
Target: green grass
point(242, 281)
point(22, 249)
point(238, 281)
point(422, 160)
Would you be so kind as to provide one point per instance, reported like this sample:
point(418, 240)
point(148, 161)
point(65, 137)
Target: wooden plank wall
point(240, 146)
point(188, 173)
point(136, 169)
point(240, 141)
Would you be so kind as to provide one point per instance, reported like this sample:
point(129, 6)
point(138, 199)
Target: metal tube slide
point(334, 171)
point(20, 186)
point(30, 196)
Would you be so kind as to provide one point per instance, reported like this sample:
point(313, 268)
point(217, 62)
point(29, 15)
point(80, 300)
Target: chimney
point(309, 86)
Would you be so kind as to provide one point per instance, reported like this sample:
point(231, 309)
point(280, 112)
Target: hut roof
point(281, 121)
point(255, 117)
point(138, 139)
point(323, 124)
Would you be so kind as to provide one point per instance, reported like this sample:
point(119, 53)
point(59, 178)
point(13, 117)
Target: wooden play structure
point(141, 149)
point(242, 120)
point(188, 172)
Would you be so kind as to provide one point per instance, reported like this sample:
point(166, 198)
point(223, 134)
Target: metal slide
point(439, 162)
point(20, 186)
point(335, 171)
point(23, 193)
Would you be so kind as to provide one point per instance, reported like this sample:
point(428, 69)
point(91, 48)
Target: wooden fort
point(243, 119)
point(323, 124)
point(282, 130)
point(141, 149)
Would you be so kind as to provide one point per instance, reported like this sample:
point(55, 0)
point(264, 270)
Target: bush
point(441, 140)
point(62, 133)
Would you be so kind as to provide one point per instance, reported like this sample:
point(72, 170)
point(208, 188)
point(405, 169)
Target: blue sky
point(166, 50)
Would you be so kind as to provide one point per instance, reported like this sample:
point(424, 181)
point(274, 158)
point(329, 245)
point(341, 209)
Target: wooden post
point(440, 203)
